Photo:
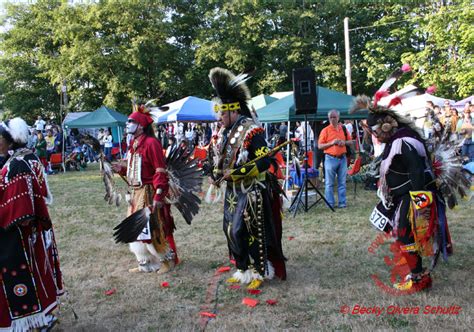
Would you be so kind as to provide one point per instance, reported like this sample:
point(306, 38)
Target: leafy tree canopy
point(111, 51)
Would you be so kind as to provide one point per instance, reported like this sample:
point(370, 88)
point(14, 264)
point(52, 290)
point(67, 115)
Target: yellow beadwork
point(261, 151)
point(227, 107)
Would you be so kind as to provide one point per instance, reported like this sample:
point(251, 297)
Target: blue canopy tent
point(283, 110)
point(189, 109)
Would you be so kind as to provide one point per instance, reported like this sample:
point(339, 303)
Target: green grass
point(328, 266)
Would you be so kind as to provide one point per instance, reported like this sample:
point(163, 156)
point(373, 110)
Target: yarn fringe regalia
point(452, 179)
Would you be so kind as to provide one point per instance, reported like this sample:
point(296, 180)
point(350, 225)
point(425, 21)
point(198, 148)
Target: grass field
point(328, 266)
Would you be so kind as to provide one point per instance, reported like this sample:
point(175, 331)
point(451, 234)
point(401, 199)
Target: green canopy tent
point(101, 117)
point(283, 110)
point(261, 101)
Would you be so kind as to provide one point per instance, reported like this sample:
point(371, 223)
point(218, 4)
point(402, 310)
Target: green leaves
point(108, 52)
point(437, 42)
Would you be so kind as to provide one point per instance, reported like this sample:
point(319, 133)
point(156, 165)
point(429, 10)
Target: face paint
point(131, 127)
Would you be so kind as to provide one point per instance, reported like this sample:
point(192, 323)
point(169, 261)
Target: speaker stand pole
point(303, 190)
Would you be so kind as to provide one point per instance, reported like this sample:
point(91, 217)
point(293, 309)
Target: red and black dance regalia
point(252, 205)
point(412, 185)
point(148, 181)
point(30, 278)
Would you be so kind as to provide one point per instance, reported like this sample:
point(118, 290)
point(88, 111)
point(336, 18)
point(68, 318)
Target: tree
point(108, 52)
point(25, 87)
point(435, 39)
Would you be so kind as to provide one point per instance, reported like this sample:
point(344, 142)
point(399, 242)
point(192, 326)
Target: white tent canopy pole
point(120, 134)
point(287, 171)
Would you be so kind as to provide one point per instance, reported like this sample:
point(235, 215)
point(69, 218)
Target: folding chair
point(355, 169)
point(115, 152)
point(56, 161)
point(200, 154)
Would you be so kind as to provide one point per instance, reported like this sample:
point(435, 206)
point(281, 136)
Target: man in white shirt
point(39, 124)
point(300, 134)
point(189, 134)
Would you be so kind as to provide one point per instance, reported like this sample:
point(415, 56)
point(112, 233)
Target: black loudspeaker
point(304, 91)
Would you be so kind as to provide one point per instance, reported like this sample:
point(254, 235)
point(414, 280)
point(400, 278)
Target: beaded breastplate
point(230, 148)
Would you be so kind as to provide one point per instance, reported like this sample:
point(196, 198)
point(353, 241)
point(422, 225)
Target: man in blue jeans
point(333, 141)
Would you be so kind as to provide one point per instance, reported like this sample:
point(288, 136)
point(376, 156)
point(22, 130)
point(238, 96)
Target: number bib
point(378, 219)
point(145, 234)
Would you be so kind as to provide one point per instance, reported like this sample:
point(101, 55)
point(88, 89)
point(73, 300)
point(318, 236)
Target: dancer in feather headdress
point(412, 185)
point(153, 186)
point(252, 208)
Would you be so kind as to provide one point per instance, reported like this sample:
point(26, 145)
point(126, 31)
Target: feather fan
point(453, 180)
point(131, 227)
point(184, 181)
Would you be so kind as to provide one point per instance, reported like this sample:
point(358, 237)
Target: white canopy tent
point(414, 106)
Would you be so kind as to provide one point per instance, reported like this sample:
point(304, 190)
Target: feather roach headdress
point(232, 94)
point(451, 178)
point(382, 118)
point(145, 113)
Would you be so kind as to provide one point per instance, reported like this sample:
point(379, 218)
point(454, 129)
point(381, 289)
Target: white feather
point(243, 277)
point(155, 113)
point(243, 157)
point(255, 275)
point(239, 79)
point(387, 84)
point(49, 196)
point(18, 130)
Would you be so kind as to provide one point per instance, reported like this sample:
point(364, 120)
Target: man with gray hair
point(333, 140)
